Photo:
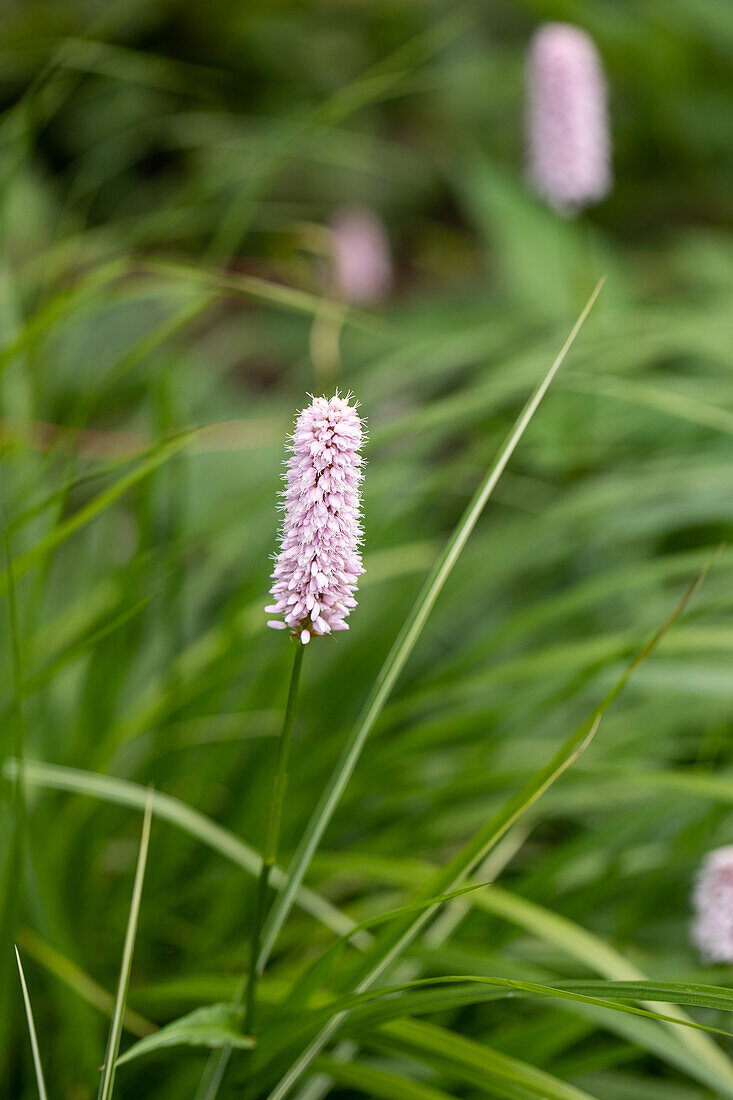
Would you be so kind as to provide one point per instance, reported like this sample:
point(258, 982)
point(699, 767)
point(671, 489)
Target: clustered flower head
point(317, 570)
point(569, 143)
point(712, 927)
point(362, 267)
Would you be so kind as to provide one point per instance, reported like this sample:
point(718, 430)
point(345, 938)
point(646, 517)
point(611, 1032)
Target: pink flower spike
point(712, 900)
point(317, 570)
point(362, 266)
point(568, 138)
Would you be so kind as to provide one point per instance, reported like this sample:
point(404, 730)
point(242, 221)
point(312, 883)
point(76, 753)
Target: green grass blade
point(106, 1084)
point(32, 1032)
point(124, 793)
point(654, 397)
point(63, 531)
point(695, 783)
point(695, 994)
point(451, 991)
point(378, 1082)
point(82, 295)
point(376, 1008)
point(478, 1064)
point(80, 646)
point(212, 1026)
point(273, 294)
point(76, 979)
point(401, 650)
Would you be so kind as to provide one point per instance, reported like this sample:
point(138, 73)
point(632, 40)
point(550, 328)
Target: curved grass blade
point(654, 397)
point(122, 792)
point(273, 294)
point(401, 650)
point(32, 1032)
point(115, 1032)
point(476, 1063)
point(696, 783)
point(62, 531)
point(58, 308)
point(450, 991)
point(211, 1026)
point(378, 1082)
point(37, 680)
point(696, 994)
point(377, 1007)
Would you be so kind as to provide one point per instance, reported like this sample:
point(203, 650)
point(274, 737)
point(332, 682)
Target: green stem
point(272, 832)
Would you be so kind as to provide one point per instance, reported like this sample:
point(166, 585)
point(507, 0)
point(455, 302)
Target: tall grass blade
point(401, 650)
point(106, 1084)
point(32, 1032)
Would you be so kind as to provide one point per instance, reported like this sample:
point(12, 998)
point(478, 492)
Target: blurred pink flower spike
point(362, 267)
point(712, 927)
point(568, 135)
point(317, 570)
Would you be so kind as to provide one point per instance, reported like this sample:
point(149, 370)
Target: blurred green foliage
point(165, 169)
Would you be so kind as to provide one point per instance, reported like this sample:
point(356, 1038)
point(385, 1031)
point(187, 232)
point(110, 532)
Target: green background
point(164, 170)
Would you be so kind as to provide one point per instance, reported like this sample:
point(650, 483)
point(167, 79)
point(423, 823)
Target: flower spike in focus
point(319, 564)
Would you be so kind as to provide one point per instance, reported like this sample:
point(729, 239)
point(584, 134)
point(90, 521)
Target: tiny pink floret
point(568, 134)
point(712, 927)
point(317, 570)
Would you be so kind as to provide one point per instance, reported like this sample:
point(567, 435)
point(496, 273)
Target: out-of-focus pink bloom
point(319, 564)
point(569, 142)
point(712, 927)
point(362, 268)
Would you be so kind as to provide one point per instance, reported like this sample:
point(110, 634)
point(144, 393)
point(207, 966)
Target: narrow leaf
point(379, 1082)
point(212, 1026)
point(32, 1032)
point(115, 1033)
point(64, 530)
point(123, 792)
point(79, 981)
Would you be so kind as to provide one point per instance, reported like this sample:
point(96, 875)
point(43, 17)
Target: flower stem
point(272, 832)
